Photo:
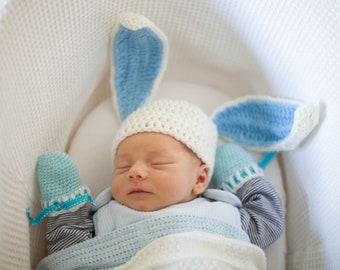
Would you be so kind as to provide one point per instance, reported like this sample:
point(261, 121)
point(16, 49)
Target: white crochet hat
point(180, 119)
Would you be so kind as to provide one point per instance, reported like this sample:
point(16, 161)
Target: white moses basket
point(55, 95)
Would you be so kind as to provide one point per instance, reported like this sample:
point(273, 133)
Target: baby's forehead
point(153, 143)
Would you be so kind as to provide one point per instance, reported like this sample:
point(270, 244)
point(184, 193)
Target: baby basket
point(55, 95)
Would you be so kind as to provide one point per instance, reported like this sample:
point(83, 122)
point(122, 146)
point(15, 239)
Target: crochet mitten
point(60, 186)
point(234, 166)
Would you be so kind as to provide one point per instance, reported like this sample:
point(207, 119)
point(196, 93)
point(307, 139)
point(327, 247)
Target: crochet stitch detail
point(60, 186)
point(234, 166)
point(119, 246)
point(67, 205)
point(180, 119)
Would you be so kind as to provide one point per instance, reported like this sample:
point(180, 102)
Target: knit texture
point(58, 178)
point(139, 53)
point(184, 121)
point(199, 251)
point(234, 167)
point(60, 185)
point(119, 246)
point(115, 215)
point(266, 124)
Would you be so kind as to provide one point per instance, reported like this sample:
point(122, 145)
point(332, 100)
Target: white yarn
point(184, 121)
point(135, 21)
point(197, 250)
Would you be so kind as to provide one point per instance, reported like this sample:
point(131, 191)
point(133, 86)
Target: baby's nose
point(138, 171)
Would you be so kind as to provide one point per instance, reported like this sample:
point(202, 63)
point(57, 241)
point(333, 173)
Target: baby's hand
point(234, 166)
point(60, 185)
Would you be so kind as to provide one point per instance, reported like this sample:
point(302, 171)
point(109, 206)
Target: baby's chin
point(144, 206)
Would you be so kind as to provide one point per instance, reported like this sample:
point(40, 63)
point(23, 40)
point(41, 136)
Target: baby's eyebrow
point(122, 156)
point(159, 152)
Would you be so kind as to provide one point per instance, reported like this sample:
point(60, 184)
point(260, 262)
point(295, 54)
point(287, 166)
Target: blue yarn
point(229, 159)
point(138, 57)
point(58, 176)
point(59, 206)
point(256, 122)
point(60, 185)
point(233, 167)
point(267, 158)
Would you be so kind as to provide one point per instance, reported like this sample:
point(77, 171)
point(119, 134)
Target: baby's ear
point(266, 124)
point(139, 55)
point(201, 180)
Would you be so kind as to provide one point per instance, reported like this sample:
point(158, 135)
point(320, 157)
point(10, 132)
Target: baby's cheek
point(115, 189)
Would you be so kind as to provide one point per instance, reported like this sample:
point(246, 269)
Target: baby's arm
point(64, 196)
point(261, 212)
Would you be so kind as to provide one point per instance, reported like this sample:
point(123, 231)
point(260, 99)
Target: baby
point(164, 157)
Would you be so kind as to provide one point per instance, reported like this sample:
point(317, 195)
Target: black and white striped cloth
point(69, 228)
point(262, 215)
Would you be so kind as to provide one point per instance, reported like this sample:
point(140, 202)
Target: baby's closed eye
point(122, 167)
point(161, 163)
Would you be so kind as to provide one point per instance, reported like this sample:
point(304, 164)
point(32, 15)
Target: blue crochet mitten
point(234, 166)
point(60, 186)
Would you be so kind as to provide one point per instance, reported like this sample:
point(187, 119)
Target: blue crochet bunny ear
point(266, 124)
point(139, 56)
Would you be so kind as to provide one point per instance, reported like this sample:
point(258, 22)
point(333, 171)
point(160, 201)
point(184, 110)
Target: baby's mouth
point(138, 191)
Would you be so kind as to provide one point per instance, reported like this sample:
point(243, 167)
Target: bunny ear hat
point(258, 123)
point(139, 56)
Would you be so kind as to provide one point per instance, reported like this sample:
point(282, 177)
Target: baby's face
point(153, 170)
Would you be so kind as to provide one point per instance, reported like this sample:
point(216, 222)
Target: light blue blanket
point(119, 246)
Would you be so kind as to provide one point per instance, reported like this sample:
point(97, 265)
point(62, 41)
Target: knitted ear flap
point(266, 124)
point(139, 56)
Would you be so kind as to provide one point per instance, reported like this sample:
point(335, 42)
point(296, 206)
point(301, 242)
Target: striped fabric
point(261, 213)
point(68, 229)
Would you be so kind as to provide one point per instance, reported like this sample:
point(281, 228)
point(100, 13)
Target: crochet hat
point(180, 119)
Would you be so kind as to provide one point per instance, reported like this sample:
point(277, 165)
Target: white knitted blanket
point(184, 250)
point(197, 250)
